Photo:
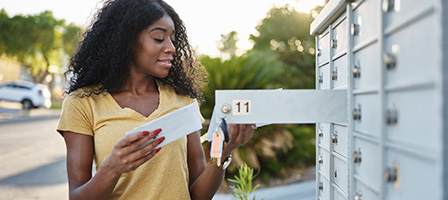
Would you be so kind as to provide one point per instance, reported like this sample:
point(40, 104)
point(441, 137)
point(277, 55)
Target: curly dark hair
point(104, 55)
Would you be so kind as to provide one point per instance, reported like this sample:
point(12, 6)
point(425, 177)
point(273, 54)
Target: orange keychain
point(216, 149)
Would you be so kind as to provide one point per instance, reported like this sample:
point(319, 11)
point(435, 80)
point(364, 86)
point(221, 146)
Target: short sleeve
point(200, 114)
point(76, 116)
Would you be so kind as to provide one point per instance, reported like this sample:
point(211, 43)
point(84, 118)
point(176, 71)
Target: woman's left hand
point(239, 134)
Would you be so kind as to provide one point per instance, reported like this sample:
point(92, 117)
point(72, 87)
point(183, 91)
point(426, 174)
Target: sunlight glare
point(306, 5)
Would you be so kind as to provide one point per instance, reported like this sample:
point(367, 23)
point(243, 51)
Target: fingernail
point(145, 133)
point(160, 140)
point(156, 132)
point(157, 150)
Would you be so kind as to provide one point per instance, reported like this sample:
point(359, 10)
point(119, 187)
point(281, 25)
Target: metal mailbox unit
point(391, 58)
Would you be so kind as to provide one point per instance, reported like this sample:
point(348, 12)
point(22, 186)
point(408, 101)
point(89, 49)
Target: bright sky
point(205, 20)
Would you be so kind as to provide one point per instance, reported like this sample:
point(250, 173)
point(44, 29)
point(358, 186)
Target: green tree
point(37, 41)
point(286, 32)
point(227, 44)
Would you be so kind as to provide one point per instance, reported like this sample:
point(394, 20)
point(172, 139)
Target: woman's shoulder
point(171, 94)
point(86, 93)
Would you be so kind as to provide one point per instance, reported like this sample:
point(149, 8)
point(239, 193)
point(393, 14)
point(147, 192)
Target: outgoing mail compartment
point(414, 178)
point(365, 17)
point(414, 117)
point(412, 55)
point(324, 77)
point(339, 139)
point(367, 62)
point(323, 51)
point(367, 106)
point(366, 156)
point(339, 41)
point(340, 173)
point(339, 73)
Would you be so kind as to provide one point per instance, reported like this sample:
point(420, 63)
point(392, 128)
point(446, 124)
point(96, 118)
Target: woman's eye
point(158, 40)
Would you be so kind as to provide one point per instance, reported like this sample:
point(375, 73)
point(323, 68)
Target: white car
point(31, 95)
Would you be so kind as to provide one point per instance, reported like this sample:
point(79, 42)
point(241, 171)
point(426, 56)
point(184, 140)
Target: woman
point(134, 65)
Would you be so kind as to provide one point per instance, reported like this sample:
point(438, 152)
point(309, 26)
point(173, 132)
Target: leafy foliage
point(250, 71)
point(282, 57)
point(286, 32)
point(244, 186)
point(37, 41)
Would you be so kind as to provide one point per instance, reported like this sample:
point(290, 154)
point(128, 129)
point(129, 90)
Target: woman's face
point(153, 50)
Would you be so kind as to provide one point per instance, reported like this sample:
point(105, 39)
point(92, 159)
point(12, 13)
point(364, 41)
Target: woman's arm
point(205, 179)
point(123, 159)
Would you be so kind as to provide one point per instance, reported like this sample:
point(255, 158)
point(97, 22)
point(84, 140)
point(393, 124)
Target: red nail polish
point(157, 150)
point(160, 140)
point(145, 133)
point(156, 132)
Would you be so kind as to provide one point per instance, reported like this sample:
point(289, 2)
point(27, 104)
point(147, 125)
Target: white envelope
point(174, 125)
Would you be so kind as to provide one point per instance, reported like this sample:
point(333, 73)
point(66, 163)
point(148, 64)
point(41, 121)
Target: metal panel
point(408, 59)
point(324, 191)
point(323, 50)
point(327, 15)
point(367, 62)
point(364, 192)
point(413, 117)
point(339, 41)
point(340, 173)
point(324, 162)
point(415, 179)
point(324, 134)
point(284, 106)
point(365, 157)
point(365, 22)
point(339, 73)
point(339, 139)
point(399, 11)
point(369, 120)
point(324, 79)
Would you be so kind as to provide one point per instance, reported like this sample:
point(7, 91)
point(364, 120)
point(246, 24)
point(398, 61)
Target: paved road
point(32, 161)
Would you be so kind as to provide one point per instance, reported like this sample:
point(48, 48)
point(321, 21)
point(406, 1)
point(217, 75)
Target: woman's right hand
point(125, 157)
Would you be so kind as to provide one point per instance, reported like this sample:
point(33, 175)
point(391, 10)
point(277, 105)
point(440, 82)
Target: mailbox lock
point(390, 58)
point(391, 174)
point(321, 159)
point(321, 132)
point(334, 43)
point(334, 74)
point(334, 137)
point(357, 196)
point(354, 29)
point(319, 52)
point(356, 71)
point(388, 5)
point(357, 156)
point(392, 117)
point(321, 186)
point(390, 61)
point(321, 78)
point(357, 113)
point(225, 108)
point(335, 173)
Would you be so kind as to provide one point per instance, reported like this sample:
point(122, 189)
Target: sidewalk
point(296, 191)
point(12, 112)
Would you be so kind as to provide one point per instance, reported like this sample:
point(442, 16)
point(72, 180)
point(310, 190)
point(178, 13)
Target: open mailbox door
point(278, 107)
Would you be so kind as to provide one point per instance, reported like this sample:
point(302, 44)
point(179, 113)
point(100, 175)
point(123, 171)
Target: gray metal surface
point(284, 106)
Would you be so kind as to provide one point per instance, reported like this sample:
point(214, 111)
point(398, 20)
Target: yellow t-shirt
point(165, 176)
